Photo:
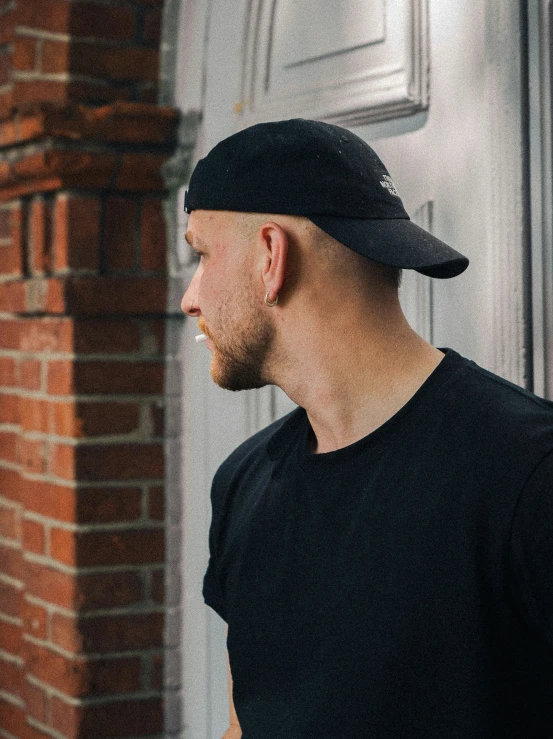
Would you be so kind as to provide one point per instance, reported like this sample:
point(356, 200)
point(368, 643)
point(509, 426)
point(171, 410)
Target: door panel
point(356, 61)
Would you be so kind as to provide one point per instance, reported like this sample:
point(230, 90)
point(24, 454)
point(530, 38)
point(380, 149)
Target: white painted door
point(435, 87)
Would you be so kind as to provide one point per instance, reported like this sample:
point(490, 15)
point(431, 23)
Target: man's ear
point(274, 241)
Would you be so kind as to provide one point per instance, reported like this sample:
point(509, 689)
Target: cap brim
point(397, 242)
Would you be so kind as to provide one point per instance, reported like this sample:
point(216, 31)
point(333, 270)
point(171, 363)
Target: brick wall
point(83, 290)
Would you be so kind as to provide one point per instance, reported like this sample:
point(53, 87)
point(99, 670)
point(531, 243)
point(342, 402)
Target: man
point(382, 555)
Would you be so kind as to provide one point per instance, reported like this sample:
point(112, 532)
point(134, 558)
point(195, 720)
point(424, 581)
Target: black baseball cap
point(327, 174)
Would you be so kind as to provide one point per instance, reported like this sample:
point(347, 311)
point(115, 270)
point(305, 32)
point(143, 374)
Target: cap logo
point(389, 185)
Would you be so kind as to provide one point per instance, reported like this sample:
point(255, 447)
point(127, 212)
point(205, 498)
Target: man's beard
point(240, 354)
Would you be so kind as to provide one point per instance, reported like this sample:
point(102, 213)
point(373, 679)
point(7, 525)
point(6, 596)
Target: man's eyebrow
point(188, 237)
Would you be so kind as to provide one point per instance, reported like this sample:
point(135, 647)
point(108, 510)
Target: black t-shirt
point(401, 586)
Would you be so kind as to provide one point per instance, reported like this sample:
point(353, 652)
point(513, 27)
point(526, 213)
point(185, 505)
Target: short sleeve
point(532, 550)
point(213, 590)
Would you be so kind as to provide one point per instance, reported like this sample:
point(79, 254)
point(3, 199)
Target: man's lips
point(203, 328)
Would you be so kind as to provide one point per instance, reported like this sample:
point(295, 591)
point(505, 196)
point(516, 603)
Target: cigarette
point(200, 337)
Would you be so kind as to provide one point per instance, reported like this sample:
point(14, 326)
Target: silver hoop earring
point(269, 302)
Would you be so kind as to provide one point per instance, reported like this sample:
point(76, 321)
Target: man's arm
point(234, 731)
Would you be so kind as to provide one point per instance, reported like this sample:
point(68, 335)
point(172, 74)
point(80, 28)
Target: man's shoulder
point(495, 413)
point(500, 397)
point(257, 447)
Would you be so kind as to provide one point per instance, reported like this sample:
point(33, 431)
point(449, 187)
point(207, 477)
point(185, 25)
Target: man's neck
point(350, 388)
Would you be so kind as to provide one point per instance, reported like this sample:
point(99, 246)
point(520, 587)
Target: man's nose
point(189, 302)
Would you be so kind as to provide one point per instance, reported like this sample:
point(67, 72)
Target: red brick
point(108, 418)
point(94, 419)
point(76, 167)
point(63, 462)
point(140, 172)
point(55, 57)
point(9, 408)
point(65, 421)
point(80, 677)
point(108, 590)
point(13, 718)
point(147, 92)
point(158, 419)
point(9, 519)
point(48, 499)
point(32, 455)
point(40, 217)
point(153, 242)
point(11, 484)
point(156, 503)
point(109, 506)
point(10, 637)
point(11, 561)
point(10, 261)
point(120, 377)
point(105, 590)
point(118, 719)
point(18, 220)
point(30, 371)
point(34, 539)
point(121, 295)
point(11, 678)
point(33, 414)
point(8, 133)
point(24, 53)
point(65, 633)
point(8, 447)
point(7, 97)
point(10, 330)
point(127, 64)
point(50, 585)
point(60, 377)
point(76, 232)
point(33, 165)
point(7, 26)
point(7, 372)
point(103, 634)
point(36, 703)
point(6, 65)
point(30, 127)
point(156, 672)
point(108, 462)
point(47, 335)
point(10, 599)
point(5, 223)
point(34, 733)
point(135, 123)
point(35, 620)
point(157, 329)
point(158, 586)
point(120, 232)
point(46, 15)
point(44, 295)
point(108, 336)
point(100, 548)
point(66, 377)
point(103, 22)
point(152, 25)
point(98, 92)
point(87, 505)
